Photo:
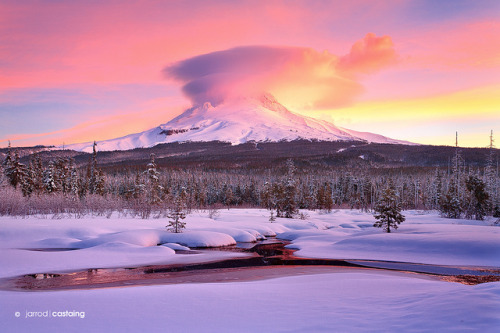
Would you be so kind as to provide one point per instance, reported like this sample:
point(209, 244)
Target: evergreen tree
point(266, 196)
point(153, 187)
point(450, 205)
point(324, 197)
point(288, 190)
point(74, 187)
point(49, 179)
point(137, 189)
point(92, 171)
point(36, 174)
point(95, 177)
point(478, 199)
point(437, 187)
point(178, 212)
point(491, 177)
point(268, 199)
point(7, 162)
point(61, 175)
point(458, 171)
point(388, 210)
point(227, 195)
point(15, 171)
point(28, 182)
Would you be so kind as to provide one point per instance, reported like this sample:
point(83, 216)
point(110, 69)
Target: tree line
point(460, 191)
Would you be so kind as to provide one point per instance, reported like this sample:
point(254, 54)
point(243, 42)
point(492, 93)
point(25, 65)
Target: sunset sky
point(77, 71)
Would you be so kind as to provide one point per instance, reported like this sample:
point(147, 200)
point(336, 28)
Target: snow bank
point(422, 238)
point(341, 302)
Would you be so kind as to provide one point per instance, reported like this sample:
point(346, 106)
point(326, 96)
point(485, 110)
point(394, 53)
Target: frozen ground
point(353, 300)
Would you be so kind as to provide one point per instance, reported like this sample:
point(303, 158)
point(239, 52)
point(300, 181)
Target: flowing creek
point(266, 259)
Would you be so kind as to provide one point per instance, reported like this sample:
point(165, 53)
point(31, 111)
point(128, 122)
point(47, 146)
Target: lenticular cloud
point(301, 76)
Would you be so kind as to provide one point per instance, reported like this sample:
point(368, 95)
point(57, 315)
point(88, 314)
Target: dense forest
point(64, 184)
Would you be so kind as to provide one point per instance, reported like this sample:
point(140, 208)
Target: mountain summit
point(238, 121)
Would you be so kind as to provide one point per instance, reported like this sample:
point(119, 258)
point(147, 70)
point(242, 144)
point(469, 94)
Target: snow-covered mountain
point(238, 121)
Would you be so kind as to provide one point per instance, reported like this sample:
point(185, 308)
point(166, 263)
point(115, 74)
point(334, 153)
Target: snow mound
point(239, 235)
point(135, 237)
point(176, 247)
point(198, 239)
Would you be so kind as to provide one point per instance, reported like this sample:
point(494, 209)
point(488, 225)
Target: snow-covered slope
point(238, 121)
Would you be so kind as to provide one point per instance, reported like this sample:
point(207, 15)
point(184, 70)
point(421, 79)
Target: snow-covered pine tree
point(137, 189)
point(436, 190)
point(478, 199)
point(61, 175)
point(366, 193)
point(324, 197)
point(177, 213)
point(289, 191)
point(74, 187)
point(268, 199)
point(238, 195)
point(227, 195)
point(28, 183)
point(95, 177)
point(388, 210)
point(153, 187)
point(36, 174)
point(49, 179)
point(7, 162)
point(265, 196)
point(14, 170)
point(92, 171)
point(450, 205)
point(491, 177)
point(458, 171)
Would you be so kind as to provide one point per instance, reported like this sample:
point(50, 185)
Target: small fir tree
point(178, 213)
point(388, 210)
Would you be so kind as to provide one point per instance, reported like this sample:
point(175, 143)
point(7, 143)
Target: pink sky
point(93, 70)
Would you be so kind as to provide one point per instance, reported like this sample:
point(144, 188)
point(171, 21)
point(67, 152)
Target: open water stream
point(265, 259)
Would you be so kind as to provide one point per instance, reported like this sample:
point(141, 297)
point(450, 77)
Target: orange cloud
point(302, 77)
point(369, 55)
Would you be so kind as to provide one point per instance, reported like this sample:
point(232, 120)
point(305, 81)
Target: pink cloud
point(369, 55)
point(320, 78)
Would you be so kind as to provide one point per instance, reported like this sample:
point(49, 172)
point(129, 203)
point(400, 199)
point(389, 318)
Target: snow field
point(347, 301)
point(117, 242)
point(343, 302)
